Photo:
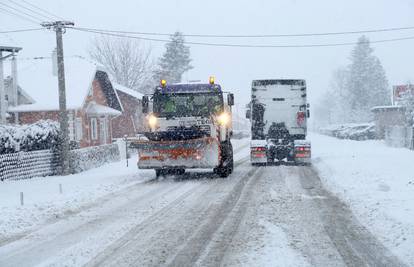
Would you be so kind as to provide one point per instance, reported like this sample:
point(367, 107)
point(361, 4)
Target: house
point(131, 121)
point(91, 101)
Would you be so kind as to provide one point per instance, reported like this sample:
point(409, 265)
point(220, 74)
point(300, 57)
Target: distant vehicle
point(189, 126)
point(278, 112)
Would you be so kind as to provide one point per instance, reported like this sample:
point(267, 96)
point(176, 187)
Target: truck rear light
point(259, 155)
point(256, 149)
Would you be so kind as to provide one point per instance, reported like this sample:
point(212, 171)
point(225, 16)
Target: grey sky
point(236, 67)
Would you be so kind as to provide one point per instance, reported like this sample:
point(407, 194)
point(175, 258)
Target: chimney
point(54, 63)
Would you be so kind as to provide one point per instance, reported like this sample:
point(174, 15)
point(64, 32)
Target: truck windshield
point(185, 105)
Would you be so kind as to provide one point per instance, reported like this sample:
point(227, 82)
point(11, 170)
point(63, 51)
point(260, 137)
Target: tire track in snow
point(354, 242)
point(140, 238)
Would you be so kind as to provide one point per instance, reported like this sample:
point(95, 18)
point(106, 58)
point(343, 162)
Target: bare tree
point(127, 61)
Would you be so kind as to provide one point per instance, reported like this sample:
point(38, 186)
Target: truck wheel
point(226, 156)
point(158, 173)
point(231, 163)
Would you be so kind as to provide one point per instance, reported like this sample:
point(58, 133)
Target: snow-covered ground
point(44, 202)
point(377, 182)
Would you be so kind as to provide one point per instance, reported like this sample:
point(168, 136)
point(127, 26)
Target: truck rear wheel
point(226, 158)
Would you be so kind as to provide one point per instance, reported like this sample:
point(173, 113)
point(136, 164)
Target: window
point(78, 129)
point(94, 129)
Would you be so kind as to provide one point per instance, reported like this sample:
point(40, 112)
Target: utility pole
point(60, 28)
point(3, 108)
point(15, 93)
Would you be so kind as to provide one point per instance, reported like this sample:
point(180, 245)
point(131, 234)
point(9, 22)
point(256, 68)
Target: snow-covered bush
point(41, 135)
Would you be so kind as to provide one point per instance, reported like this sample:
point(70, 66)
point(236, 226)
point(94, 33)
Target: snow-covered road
point(259, 216)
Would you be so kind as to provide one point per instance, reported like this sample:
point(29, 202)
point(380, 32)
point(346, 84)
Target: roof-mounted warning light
point(163, 83)
point(211, 79)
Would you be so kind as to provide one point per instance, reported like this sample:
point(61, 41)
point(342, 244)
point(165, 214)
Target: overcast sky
point(235, 68)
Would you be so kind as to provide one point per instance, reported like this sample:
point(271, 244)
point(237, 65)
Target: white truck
point(189, 126)
point(278, 113)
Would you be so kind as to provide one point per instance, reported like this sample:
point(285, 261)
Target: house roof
point(37, 79)
point(128, 91)
point(97, 110)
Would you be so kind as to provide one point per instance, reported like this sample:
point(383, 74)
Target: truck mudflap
point(302, 151)
point(195, 153)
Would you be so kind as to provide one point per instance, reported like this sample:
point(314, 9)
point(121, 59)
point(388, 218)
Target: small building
point(91, 101)
point(131, 121)
point(388, 116)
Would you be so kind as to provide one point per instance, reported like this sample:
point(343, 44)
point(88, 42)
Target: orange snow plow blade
point(194, 153)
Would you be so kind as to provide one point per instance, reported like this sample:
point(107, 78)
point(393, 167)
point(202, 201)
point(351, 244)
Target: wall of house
point(130, 122)
point(96, 95)
point(34, 116)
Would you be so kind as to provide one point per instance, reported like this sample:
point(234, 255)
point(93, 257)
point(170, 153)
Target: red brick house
point(92, 102)
point(130, 122)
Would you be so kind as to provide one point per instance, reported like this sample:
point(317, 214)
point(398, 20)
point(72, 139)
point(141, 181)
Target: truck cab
point(188, 125)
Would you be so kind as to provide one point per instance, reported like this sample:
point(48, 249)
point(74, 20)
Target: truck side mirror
point(248, 114)
point(230, 99)
point(307, 113)
point(145, 103)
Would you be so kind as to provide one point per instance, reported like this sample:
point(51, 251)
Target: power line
point(244, 45)
point(255, 35)
point(43, 10)
point(18, 15)
point(21, 12)
point(22, 30)
point(31, 10)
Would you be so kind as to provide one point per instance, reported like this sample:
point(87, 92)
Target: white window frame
point(103, 130)
point(94, 129)
point(78, 129)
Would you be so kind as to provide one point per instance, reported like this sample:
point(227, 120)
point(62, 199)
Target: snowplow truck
point(189, 126)
point(278, 112)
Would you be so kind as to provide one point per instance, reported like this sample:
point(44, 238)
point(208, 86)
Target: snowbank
point(377, 182)
point(44, 202)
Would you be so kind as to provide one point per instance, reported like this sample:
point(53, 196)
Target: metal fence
point(91, 157)
point(24, 165)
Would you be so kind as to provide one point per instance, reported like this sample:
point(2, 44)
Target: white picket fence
point(24, 165)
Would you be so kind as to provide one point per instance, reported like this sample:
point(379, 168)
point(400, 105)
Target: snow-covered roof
point(127, 90)
point(36, 78)
point(96, 109)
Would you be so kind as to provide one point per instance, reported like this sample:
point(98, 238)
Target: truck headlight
point(224, 118)
point(152, 121)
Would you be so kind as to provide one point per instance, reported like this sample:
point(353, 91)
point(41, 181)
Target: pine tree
point(367, 84)
point(175, 60)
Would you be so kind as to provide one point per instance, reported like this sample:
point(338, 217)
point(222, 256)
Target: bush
point(37, 136)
